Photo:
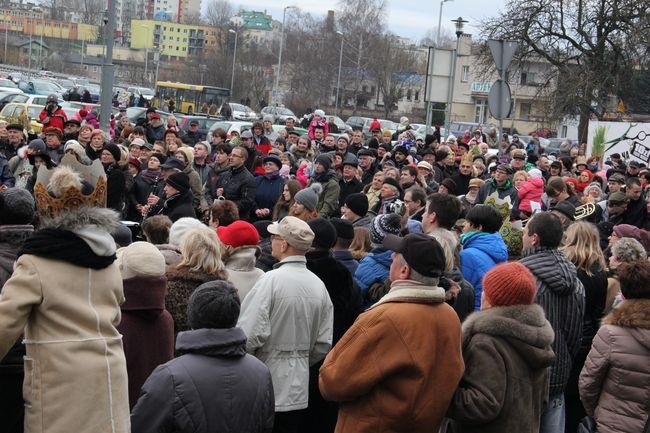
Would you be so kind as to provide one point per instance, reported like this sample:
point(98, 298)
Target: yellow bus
point(190, 98)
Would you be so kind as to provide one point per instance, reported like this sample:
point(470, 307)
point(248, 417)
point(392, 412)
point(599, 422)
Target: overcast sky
point(408, 18)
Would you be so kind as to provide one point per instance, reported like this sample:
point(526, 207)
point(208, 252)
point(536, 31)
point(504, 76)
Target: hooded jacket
point(532, 190)
point(507, 352)
point(213, 387)
point(242, 272)
point(373, 268)
point(147, 330)
point(562, 295)
point(615, 380)
point(481, 252)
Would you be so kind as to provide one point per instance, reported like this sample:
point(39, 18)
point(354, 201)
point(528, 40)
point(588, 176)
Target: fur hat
point(509, 283)
point(238, 234)
point(77, 148)
point(324, 233)
point(382, 225)
point(140, 259)
point(358, 203)
point(179, 181)
point(183, 225)
point(308, 197)
point(17, 207)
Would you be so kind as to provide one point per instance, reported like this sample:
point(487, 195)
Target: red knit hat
point(509, 283)
point(238, 234)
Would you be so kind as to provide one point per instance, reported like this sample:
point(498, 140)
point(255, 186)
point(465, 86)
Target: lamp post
point(276, 88)
point(459, 23)
point(440, 22)
point(31, 32)
point(234, 58)
point(146, 54)
point(6, 37)
point(338, 79)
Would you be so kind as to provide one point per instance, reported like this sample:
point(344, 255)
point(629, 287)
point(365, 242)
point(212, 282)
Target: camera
point(398, 207)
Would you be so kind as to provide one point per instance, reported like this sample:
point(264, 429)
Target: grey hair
point(628, 250)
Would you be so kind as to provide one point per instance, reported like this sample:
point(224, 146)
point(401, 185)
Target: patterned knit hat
point(382, 225)
point(509, 283)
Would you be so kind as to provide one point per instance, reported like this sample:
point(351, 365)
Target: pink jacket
point(314, 122)
point(532, 190)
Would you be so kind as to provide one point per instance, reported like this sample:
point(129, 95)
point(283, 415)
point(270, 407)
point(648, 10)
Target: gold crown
point(71, 196)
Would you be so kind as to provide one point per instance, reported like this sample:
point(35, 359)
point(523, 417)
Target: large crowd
point(156, 279)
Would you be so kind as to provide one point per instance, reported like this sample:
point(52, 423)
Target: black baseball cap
point(422, 252)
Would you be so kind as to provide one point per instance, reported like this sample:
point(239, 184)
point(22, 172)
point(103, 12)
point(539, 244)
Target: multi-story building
point(176, 41)
point(259, 28)
point(34, 23)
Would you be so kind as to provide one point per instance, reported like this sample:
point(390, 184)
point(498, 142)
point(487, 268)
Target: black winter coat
point(176, 207)
point(115, 188)
point(214, 387)
point(239, 186)
point(145, 183)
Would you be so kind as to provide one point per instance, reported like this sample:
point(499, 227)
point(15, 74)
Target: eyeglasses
point(236, 156)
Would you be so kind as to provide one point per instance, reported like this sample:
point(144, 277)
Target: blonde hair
point(201, 252)
point(520, 173)
point(360, 245)
point(582, 247)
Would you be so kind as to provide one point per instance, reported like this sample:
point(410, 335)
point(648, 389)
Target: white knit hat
point(140, 259)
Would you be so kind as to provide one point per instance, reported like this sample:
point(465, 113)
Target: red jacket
point(56, 119)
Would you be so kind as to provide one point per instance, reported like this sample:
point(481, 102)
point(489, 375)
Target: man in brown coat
point(396, 369)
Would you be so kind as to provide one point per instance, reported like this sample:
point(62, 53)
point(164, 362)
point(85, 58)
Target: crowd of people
point(154, 279)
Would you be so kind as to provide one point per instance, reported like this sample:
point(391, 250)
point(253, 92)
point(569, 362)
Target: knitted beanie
point(114, 150)
point(324, 160)
point(358, 203)
point(382, 225)
point(140, 259)
point(308, 197)
point(17, 206)
point(344, 228)
point(187, 152)
point(509, 283)
point(183, 225)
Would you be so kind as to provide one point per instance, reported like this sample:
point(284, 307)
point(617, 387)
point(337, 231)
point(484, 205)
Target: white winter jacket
point(288, 317)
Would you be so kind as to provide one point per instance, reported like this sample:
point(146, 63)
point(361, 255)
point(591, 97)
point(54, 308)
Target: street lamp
point(234, 57)
point(440, 22)
point(459, 23)
point(277, 78)
point(146, 55)
point(338, 80)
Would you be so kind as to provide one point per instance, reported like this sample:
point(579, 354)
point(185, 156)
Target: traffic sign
point(500, 100)
point(502, 52)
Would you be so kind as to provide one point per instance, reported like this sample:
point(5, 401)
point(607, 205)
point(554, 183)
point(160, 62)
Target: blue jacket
point(267, 192)
point(373, 268)
point(480, 253)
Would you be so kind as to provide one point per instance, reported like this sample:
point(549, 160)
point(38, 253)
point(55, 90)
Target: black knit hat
point(17, 206)
point(114, 150)
point(179, 181)
point(357, 203)
point(324, 233)
point(214, 305)
point(344, 228)
point(324, 160)
point(159, 156)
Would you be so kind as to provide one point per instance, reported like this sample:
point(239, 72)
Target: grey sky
point(408, 18)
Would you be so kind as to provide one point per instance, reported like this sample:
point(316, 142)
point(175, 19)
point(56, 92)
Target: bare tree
point(587, 42)
point(218, 12)
point(447, 38)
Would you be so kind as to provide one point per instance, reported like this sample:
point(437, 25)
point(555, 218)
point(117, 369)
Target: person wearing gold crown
point(65, 296)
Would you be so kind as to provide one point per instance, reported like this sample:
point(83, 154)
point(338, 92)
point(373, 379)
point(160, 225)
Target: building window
point(480, 110)
point(94, 68)
point(464, 74)
point(408, 95)
point(85, 67)
point(417, 95)
point(524, 111)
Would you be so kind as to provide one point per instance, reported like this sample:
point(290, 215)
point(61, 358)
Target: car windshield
point(34, 111)
point(145, 91)
point(387, 124)
point(44, 86)
point(223, 125)
point(285, 111)
point(237, 107)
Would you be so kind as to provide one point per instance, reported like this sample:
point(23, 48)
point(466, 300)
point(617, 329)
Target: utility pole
point(108, 70)
point(358, 83)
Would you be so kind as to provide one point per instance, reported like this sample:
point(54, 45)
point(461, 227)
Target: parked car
point(338, 122)
point(301, 131)
point(459, 128)
point(7, 96)
point(136, 114)
point(39, 87)
point(92, 88)
point(12, 111)
point(7, 84)
point(422, 131)
point(357, 122)
point(229, 126)
point(279, 114)
point(385, 124)
point(242, 112)
point(138, 92)
point(205, 122)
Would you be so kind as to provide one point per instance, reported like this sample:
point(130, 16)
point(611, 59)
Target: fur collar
point(631, 313)
point(74, 219)
point(412, 292)
point(522, 322)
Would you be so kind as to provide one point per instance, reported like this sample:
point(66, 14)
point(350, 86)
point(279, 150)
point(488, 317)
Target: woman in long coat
point(65, 294)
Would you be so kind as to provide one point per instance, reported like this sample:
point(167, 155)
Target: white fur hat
point(140, 259)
